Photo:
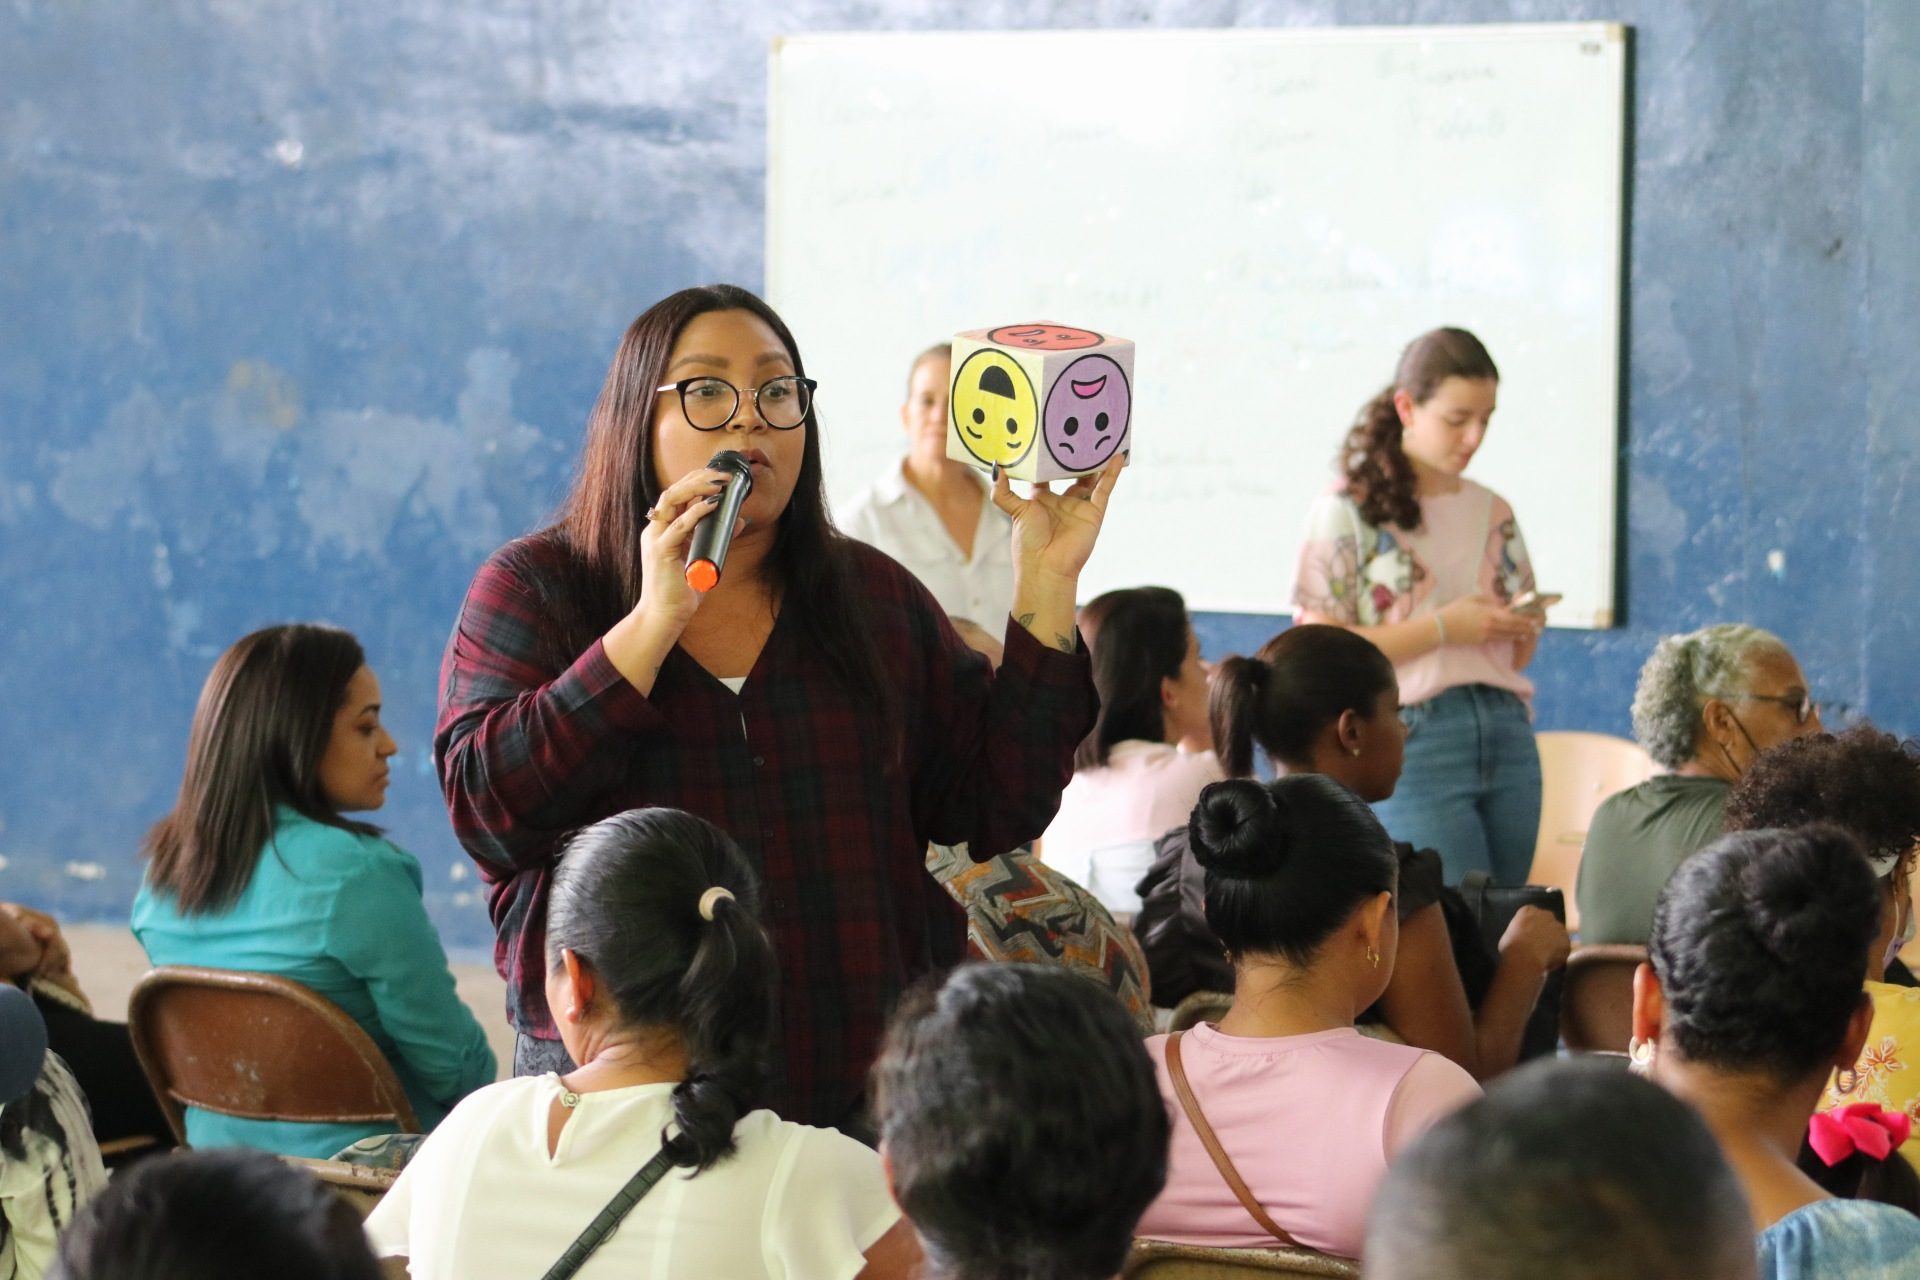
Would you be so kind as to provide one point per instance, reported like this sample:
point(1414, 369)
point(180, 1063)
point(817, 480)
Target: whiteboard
point(1270, 215)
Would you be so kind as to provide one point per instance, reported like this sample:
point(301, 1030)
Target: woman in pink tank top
point(1300, 883)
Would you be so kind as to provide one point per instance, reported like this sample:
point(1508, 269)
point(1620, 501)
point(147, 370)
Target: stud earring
point(1355, 753)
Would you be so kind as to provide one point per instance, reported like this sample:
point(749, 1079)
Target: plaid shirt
point(800, 777)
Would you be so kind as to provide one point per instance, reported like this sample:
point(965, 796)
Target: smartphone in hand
point(1535, 604)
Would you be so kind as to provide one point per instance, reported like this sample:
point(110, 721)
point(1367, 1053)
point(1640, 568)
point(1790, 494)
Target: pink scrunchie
point(1865, 1127)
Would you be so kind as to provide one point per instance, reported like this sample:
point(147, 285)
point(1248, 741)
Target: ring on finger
point(655, 514)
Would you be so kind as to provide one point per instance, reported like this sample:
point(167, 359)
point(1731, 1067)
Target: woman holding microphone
point(1431, 567)
point(815, 703)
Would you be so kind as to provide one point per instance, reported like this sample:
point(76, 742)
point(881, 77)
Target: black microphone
point(712, 536)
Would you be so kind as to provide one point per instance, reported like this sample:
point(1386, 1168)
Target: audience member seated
point(1320, 699)
point(1854, 1152)
point(1138, 773)
point(257, 869)
point(1573, 1170)
point(217, 1215)
point(662, 981)
point(1868, 783)
point(1751, 1000)
point(933, 514)
point(1707, 705)
point(1299, 886)
point(49, 1164)
point(34, 956)
point(1021, 1125)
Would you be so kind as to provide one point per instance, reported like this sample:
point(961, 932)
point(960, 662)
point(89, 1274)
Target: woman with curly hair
point(1429, 565)
point(1707, 705)
point(1867, 783)
point(1750, 999)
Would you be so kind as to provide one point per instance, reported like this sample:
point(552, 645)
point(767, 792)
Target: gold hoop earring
point(1373, 957)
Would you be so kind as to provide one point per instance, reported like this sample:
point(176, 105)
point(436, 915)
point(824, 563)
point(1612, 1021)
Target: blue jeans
point(1471, 785)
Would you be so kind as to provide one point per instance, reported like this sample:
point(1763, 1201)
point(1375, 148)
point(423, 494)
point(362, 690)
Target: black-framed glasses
point(1802, 704)
point(709, 403)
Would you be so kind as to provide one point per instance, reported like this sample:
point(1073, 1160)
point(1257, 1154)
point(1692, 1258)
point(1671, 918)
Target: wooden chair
point(1596, 1005)
point(259, 1047)
point(1577, 772)
point(1201, 1006)
point(1160, 1260)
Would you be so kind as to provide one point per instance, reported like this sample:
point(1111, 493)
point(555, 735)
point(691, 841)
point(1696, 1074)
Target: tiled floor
point(109, 961)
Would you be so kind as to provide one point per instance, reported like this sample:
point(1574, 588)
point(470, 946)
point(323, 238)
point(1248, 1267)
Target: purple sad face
point(1086, 414)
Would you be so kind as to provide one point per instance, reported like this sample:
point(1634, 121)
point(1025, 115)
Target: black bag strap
point(608, 1220)
point(1473, 887)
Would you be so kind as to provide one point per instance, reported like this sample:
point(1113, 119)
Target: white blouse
point(483, 1197)
point(895, 517)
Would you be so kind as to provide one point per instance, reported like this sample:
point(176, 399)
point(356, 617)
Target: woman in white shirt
point(932, 514)
point(1138, 774)
point(661, 979)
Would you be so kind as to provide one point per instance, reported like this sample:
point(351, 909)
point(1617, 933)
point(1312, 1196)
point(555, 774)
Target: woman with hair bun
point(1300, 881)
point(1750, 1000)
point(663, 984)
point(1430, 567)
point(1320, 699)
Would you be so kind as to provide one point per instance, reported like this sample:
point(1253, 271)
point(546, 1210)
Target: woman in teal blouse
point(255, 869)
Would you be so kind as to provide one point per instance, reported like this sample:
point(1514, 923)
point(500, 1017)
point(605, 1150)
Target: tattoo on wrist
point(1063, 643)
point(1025, 619)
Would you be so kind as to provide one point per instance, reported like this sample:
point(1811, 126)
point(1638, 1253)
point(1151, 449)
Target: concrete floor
point(108, 961)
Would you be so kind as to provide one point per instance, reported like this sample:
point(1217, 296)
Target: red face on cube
point(1044, 337)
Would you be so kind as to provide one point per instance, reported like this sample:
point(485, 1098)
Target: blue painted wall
point(302, 309)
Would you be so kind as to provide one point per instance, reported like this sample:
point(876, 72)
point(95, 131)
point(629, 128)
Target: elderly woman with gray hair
point(1708, 703)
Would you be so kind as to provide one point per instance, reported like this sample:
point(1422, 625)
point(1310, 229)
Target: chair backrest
point(1596, 1005)
point(259, 1047)
point(1577, 772)
point(1160, 1260)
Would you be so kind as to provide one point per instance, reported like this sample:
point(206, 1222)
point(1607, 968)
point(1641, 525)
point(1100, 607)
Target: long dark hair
point(1136, 638)
point(1287, 861)
point(604, 514)
point(1380, 478)
point(626, 901)
point(259, 732)
point(1302, 680)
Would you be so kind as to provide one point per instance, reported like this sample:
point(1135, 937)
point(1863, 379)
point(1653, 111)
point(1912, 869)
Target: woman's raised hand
point(1054, 533)
point(1478, 619)
point(665, 596)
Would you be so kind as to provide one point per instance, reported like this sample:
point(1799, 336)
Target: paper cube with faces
point(1044, 401)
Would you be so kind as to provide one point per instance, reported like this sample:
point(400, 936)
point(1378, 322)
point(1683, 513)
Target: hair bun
point(1237, 829)
point(1790, 891)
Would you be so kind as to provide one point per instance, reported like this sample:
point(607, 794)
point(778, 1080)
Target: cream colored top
point(482, 1197)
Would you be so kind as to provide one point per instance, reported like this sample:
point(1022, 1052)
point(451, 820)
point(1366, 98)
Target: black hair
point(223, 1214)
point(1760, 944)
point(1136, 637)
point(1863, 780)
point(1023, 1123)
point(1859, 1177)
point(626, 900)
point(1287, 861)
point(1578, 1170)
point(1303, 679)
point(812, 566)
point(260, 730)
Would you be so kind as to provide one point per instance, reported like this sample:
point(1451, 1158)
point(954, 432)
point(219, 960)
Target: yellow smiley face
point(994, 411)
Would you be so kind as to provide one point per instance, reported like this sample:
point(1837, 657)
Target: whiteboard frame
point(1616, 36)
